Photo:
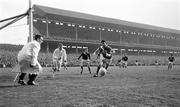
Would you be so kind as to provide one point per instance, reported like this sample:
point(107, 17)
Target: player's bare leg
point(89, 68)
point(81, 69)
point(65, 66)
point(169, 66)
point(58, 66)
point(54, 67)
point(97, 71)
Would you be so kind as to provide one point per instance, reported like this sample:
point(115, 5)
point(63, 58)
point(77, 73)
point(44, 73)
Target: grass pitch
point(146, 86)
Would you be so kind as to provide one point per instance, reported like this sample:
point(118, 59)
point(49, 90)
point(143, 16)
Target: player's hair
point(60, 44)
point(85, 49)
point(102, 41)
point(37, 36)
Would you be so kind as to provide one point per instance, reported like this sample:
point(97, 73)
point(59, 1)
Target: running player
point(171, 60)
point(85, 60)
point(124, 61)
point(136, 63)
point(156, 63)
point(59, 57)
point(104, 53)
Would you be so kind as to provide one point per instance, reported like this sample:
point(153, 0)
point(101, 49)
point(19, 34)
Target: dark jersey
point(171, 58)
point(85, 56)
point(105, 51)
point(124, 58)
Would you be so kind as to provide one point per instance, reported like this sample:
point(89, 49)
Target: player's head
point(60, 46)
point(38, 38)
point(86, 50)
point(103, 42)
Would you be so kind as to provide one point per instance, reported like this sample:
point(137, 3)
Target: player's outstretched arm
point(96, 51)
point(79, 57)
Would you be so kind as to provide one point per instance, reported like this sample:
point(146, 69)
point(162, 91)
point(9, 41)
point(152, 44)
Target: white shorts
point(25, 67)
point(87, 62)
point(136, 64)
point(56, 61)
point(170, 63)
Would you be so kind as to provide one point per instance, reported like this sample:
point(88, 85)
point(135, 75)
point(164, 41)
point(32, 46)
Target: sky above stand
point(161, 13)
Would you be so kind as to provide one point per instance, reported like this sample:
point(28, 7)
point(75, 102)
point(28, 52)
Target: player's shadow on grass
point(9, 86)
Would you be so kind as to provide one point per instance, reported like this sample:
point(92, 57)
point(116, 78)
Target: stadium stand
point(77, 31)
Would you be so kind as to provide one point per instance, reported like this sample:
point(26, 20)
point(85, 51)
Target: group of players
point(104, 56)
point(28, 59)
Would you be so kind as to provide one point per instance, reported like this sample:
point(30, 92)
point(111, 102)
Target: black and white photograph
point(90, 53)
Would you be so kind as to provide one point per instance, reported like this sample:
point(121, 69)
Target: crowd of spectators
point(9, 59)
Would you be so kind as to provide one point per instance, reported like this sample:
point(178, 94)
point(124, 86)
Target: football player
point(28, 61)
point(85, 60)
point(124, 61)
point(59, 57)
point(171, 60)
point(104, 55)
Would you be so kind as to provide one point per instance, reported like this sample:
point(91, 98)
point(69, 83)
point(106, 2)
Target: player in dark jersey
point(104, 53)
point(171, 60)
point(136, 63)
point(156, 63)
point(124, 61)
point(85, 60)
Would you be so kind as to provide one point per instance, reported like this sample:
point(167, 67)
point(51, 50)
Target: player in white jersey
point(27, 60)
point(59, 57)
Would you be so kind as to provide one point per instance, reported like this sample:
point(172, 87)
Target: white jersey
point(30, 52)
point(59, 54)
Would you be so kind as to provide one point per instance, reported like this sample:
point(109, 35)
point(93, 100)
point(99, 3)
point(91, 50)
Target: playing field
point(132, 87)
